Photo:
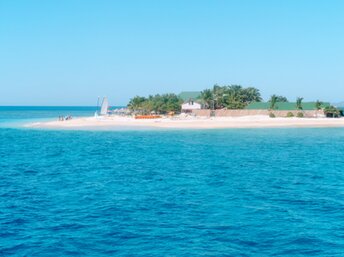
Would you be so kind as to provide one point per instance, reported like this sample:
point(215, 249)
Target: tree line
point(158, 104)
point(218, 97)
point(230, 97)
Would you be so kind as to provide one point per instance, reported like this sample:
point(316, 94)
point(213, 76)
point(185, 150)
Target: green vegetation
point(279, 98)
point(273, 101)
point(333, 112)
point(229, 97)
point(159, 104)
point(299, 115)
point(207, 97)
point(299, 103)
point(318, 105)
point(290, 115)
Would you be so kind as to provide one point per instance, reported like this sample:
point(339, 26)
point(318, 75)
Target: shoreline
point(117, 122)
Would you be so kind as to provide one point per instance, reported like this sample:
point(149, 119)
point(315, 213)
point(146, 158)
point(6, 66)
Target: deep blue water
point(248, 192)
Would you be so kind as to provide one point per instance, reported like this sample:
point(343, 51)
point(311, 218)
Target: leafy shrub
point(272, 115)
point(299, 115)
point(290, 114)
point(332, 112)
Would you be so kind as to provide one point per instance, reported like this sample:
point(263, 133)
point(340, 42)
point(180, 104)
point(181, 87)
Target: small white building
point(191, 105)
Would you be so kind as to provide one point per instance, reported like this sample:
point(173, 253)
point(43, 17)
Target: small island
point(230, 106)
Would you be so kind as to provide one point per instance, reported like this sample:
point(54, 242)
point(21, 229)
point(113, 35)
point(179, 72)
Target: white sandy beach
point(189, 123)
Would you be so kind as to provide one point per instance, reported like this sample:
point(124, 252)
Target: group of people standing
point(62, 118)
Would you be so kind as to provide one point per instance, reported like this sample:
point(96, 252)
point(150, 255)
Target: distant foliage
point(158, 104)
point(207, 98)
point(331, 111)
point(290, 115)
point(229, 97)
point(272, 115)
point(318, 105)
point(279, 98)
point(299, 115)
point(299, 103)
point(273, 101)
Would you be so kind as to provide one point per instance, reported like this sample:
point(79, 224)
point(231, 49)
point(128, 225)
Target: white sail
point(105, 106)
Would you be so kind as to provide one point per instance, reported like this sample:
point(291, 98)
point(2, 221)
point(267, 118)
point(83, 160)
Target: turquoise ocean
point(233, 192)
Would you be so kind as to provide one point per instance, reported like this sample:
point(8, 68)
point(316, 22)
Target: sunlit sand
point(189, 122)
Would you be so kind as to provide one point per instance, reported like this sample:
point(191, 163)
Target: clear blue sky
point(68, 52)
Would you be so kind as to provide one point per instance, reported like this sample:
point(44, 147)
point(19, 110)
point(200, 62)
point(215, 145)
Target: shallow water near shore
point(236, 192)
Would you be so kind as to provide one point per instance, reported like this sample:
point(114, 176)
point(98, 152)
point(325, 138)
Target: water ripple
point(267, 192)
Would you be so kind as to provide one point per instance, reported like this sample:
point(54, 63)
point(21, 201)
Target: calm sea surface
point(248, 192)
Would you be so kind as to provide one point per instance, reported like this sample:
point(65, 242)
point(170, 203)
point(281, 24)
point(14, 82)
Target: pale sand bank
point(189, 123)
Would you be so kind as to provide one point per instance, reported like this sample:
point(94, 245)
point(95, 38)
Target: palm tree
point(273, 101)
point(218, 93)
point(282, 99)
point(207, 97)
point(136, 103)
point(251, 94)
point(299, 103)
point(318, 105)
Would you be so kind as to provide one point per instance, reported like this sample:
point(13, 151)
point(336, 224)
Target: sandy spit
point(189, 123)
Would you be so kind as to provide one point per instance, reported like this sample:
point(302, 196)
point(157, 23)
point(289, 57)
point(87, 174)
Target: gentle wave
point(238, 192)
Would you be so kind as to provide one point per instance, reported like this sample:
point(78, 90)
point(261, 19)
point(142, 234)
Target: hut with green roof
point(191, 101)
point(190, 95)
